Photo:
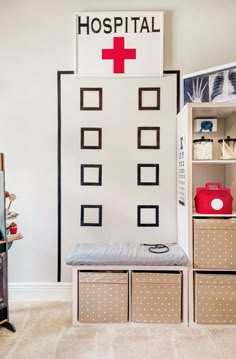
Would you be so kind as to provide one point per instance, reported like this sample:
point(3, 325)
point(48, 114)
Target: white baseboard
point(40, 291)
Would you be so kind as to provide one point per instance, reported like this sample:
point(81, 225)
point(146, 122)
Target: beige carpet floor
point(44, 331)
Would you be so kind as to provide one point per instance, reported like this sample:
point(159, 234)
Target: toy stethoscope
point(157, 248)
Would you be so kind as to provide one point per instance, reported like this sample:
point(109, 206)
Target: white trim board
point(210, 70)
point(40, 291)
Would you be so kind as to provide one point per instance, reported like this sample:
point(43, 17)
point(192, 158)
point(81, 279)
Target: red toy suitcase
point(213, 199)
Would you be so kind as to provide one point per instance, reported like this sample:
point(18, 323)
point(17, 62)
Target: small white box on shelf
point(205, 125)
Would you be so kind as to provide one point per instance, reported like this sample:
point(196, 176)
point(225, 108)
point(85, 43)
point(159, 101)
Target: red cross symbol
point(118, 54)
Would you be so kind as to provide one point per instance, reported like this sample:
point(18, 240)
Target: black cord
point(157, 248)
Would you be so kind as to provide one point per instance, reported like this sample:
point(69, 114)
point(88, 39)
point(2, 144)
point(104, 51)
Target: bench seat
point(125, 254)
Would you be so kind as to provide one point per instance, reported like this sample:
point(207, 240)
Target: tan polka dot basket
point(103, 297)
point(215, 298)
point(214, 243)
point(156, 297)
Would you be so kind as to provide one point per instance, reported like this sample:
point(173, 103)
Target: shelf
point(196, 215)
point(218, 110)
point(11, 215)
point(212, 162)
point(214, 269)
point(12, 238)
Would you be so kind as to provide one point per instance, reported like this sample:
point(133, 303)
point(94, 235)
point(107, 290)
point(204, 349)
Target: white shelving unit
point(196, 173)
point(197, 215)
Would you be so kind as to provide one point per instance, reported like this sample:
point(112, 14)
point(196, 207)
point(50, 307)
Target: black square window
point(91, 175)
point(147, 216)
point(91, 138)
point(148, 137)
point(91, 215)
point(149, 98)
point(147, 174)
point(91, 99)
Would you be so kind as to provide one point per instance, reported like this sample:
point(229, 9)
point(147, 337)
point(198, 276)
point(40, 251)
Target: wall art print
point(212, 85)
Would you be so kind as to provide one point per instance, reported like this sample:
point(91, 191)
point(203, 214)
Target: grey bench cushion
point(125, 254)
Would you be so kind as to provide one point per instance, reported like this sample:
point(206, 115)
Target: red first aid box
point(213, 199)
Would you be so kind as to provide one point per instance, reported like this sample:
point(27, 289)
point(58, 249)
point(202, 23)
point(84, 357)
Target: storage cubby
point(130, 294)
point(103, 297)
point(208, 239)
point(156, 297)
point(225, 127)
point(215, 297)
point(214, 244)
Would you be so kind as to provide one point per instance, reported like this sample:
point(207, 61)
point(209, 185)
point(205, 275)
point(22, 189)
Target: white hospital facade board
point(116, 185)
point(119, 43)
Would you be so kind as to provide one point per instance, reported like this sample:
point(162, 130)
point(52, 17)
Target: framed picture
point(217, 84)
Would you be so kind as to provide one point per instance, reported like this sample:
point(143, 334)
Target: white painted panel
point(119, 194)
point(123, 43)
point(184, 203)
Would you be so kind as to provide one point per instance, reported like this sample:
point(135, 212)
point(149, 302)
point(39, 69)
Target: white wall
point(36, 40)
